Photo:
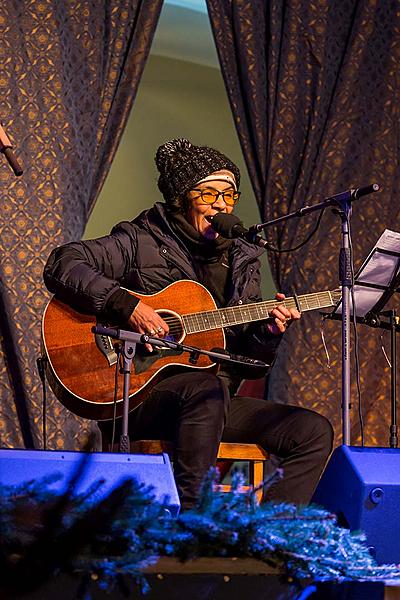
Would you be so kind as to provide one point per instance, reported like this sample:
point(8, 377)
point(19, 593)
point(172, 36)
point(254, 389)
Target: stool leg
point(256, 476)
point(223, 467)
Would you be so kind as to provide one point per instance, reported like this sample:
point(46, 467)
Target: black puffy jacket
point(145, 256)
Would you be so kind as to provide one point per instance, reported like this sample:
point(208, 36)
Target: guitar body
point(81, 366)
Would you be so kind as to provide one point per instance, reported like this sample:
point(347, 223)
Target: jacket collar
point(156, 220)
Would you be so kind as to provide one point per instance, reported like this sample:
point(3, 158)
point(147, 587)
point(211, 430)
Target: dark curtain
point(314, 91)
point(69, 72)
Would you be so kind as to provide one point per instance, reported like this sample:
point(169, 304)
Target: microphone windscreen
point(229, 226)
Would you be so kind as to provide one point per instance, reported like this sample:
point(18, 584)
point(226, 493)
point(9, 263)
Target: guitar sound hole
point(174, 323)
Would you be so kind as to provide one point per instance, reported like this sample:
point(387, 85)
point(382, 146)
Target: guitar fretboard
point(258, 311)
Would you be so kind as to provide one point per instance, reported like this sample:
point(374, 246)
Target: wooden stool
point(254, 454)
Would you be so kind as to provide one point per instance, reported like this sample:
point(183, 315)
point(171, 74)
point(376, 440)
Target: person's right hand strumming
point(144, 319)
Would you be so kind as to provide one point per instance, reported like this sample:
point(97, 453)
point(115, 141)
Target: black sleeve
point(86, 274)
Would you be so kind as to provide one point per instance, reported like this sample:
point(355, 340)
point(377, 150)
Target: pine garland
point(44, 533)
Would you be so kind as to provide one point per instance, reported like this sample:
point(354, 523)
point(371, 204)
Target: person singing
point(171, 241)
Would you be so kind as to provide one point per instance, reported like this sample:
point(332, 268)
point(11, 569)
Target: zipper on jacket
point(164, 251)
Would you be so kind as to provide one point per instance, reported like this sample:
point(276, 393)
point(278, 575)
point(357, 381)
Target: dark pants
point(195, 412)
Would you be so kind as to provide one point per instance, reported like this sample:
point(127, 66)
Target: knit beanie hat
point(181, 165)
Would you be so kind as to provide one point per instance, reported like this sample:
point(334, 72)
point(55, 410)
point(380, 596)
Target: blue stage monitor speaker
point(18, 466)
point(362, 486)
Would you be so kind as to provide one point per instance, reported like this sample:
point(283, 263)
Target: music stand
point(375, 282)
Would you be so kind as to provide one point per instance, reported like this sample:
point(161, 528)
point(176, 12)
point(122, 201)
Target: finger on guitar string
point(282, 315)
point(146, 319)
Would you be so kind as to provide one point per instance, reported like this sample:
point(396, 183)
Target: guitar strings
point(251, 312)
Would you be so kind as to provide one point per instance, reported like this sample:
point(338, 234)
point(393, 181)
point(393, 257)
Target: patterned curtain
point(69, 72)
point(314, 91)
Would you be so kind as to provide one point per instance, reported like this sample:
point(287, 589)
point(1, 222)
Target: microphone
point(348, 195)
point(363, 191)
point(100, 329)
point(230, 226)
point(5, 148)
point(220, 355)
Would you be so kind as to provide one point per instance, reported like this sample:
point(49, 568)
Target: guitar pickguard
point(143, 361)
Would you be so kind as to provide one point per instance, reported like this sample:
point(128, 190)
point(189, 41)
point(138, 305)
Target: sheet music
point(389, 240)
point(377, 270)
point(366, 298)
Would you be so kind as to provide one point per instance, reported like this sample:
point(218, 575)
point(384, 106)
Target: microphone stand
point(342, 203)
point(129, 340)
point(393, 438)
point(393, 325)
point(6, 149)
point(345, 277)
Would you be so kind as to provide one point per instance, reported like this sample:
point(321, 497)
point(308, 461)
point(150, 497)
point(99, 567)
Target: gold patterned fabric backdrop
point(314, 89)
point(69, 71)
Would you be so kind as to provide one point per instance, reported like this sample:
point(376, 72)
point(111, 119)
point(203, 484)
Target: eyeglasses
point(209, 196)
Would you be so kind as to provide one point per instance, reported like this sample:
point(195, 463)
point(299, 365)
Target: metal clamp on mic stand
point(129, 341)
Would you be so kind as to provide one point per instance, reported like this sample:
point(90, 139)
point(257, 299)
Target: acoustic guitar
point(80, 366)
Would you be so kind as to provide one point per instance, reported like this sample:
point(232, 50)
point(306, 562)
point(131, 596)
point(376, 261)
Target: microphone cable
point(230, 226)
point(303, 243)
point(356, 341)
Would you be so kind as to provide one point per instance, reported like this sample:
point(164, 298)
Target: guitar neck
point(258, 311)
